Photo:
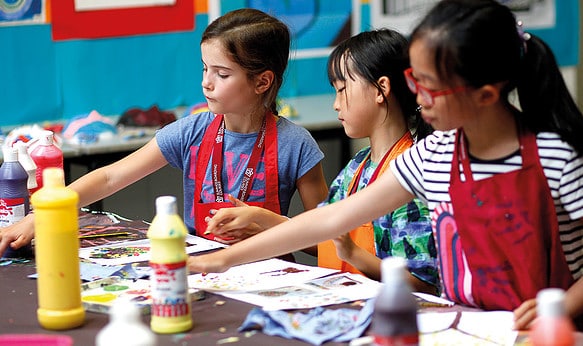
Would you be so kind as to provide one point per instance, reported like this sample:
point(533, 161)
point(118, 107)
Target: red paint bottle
point(552, 326)
point(45, 154)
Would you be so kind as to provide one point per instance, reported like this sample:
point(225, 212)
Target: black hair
point(372, 55)
point(257, 42)
point(479, 41)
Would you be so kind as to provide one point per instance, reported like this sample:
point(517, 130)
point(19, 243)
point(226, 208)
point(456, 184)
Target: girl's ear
point(263, 81)
point(385, 84)
point(488, 94)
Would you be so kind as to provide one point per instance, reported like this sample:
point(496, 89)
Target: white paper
point(473, 327)
point(267, 274)
point(495, 326)
point(334, 289)
point(139, 250)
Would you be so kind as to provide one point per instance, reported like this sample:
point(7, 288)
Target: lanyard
point(217, 163)
point(353, 186)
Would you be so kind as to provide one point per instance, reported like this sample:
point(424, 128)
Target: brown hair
point(257, 42)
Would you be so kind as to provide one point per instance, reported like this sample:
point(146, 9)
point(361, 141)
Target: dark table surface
point(215, 318)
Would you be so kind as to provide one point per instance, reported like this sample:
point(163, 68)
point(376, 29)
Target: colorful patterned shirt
point(406, 232)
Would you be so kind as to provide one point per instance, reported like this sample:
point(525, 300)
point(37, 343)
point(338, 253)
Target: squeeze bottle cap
point(53, 177)
point(10, 154)
point(46, 138)
point(392, 267)
point(550, 302)
point(166, 205)
point(21, 146)
point(125, 311)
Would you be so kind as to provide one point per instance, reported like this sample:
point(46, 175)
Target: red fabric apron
point(363, 235)
point(502, 245)
point(213, 139)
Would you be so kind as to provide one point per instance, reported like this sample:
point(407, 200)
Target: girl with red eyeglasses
point(502, 177)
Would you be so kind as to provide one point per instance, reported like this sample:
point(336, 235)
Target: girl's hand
point(17, 235)
point(230, 237)
point(345, 247)
point(234, 219)
point(210, 263)
point(525, 314)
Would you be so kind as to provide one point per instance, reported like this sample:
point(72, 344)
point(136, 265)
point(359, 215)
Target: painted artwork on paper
point(139, 250)
point(267, 274)
point(331, 289)
point(18, 12)
point(314, 24)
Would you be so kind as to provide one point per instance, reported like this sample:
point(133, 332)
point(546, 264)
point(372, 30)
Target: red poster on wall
point(82, 19)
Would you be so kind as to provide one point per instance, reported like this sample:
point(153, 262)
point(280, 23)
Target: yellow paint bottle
point(170, 299)
point(57, 253)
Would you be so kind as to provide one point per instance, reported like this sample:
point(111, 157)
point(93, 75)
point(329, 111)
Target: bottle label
point(169, 290)
point(11, 210)
point(396, 340)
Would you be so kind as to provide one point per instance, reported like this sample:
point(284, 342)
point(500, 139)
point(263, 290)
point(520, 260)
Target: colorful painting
point(102, 228)
point(19, 12)
point(268, 274)
point(101, 295)
point(333, 289)
point(139, 250)
point(314, 24)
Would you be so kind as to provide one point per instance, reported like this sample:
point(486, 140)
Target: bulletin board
point(48, 78)
point(555, 21)
point(316, 27)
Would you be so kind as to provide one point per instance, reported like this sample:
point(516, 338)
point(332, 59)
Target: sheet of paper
point(495, 326)
point(139, 250)
point(472, 328)
point(432, 322)
point(334, 289)
point(267, 274)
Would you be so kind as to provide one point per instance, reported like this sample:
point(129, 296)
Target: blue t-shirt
point(179, 141)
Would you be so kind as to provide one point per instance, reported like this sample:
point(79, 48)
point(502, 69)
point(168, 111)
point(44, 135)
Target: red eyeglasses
point(427, 95)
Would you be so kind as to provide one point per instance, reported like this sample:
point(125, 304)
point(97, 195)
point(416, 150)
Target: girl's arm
point(312, 187)
point(311, 227)
point(107, 180)
point(313, 190)
point(94, 186)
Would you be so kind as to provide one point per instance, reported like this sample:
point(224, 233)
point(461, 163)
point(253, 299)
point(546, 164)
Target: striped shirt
point(424, 171)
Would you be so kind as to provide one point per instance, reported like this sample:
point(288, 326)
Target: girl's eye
point(339, 90)
point(223, 76)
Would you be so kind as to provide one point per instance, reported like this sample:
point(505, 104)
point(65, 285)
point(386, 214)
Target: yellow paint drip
point(100, 298)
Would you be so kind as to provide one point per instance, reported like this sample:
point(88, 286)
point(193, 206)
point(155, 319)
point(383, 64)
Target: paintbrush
point(117, 234)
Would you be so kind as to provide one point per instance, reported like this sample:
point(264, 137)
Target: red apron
point(502, 246)
point(363, 235)
point(212, 142)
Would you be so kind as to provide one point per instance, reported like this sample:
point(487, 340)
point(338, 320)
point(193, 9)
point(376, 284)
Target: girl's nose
point(205, 84)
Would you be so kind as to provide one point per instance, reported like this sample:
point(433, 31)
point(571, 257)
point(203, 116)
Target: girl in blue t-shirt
point(373, 102)
point(242, 147)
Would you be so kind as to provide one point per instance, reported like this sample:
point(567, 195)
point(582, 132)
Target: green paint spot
point(113, 288)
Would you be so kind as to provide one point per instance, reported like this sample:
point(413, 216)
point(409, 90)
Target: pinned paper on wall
point(91, 5)
point(91, 19)
point(19, 12)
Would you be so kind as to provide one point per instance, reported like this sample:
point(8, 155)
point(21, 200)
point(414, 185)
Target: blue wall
point(50, 81)
point(42, 80)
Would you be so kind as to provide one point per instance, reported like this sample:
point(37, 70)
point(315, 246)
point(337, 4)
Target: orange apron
point(266, 145)
point(362, 236)
point(501, 246)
